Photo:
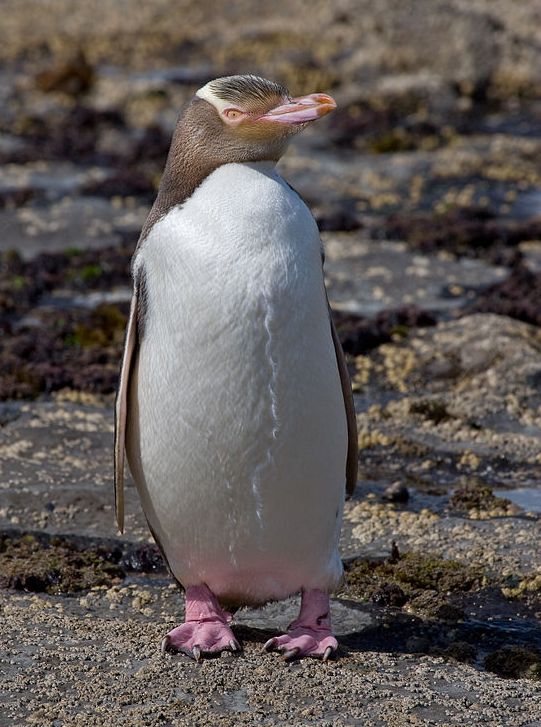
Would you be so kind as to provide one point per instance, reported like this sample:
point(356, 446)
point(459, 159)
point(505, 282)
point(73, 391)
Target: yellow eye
point(232, 114)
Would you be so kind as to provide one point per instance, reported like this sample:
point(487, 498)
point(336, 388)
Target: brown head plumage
point(233, 119)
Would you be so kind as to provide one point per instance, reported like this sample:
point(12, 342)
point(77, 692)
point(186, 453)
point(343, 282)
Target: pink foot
point(310, 634)
point(205, 629)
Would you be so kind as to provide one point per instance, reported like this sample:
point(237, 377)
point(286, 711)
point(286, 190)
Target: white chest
point(244, 228)
point(239, 400)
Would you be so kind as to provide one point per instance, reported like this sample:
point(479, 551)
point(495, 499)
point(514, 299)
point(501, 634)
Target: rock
point(72, 77)
point(396, 492)
point(393, 113)
point(462, 398)
point(418, 644)
point(371, 277)
point(461, 651)
point(433, 409)
point(472, 231)
point(518, 296)
point(474, 495)
point(514, 662)
point(458, 45)
point(435, 605)
point(337, 216)
point(125, 182)
point(389, 594)
point(360, 335)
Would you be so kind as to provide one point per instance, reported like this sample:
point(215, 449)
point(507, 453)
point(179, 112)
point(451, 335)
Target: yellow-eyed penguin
point(234, 405)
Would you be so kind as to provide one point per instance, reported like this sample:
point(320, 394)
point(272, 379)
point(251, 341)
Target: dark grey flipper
point(121, 406)
point(352, 459)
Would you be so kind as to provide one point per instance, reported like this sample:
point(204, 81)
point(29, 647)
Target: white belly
point(240, 442)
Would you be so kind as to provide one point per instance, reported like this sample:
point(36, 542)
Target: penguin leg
point(310, 634)
point(205, 629)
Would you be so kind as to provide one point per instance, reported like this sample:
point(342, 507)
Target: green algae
point(105, 326)
point(18, 282)
point(423, 582)
point(85, 274)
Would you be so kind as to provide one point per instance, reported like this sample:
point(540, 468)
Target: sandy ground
point(107, 669)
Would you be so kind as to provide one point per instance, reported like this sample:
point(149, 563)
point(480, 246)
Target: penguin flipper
point(352, 459)
point(121, 408)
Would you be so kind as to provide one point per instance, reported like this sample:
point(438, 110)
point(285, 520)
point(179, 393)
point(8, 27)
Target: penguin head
point(248, 118)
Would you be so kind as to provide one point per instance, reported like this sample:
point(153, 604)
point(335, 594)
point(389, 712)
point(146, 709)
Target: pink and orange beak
point(301, 110)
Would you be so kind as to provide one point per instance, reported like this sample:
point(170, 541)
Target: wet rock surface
point(426, 184)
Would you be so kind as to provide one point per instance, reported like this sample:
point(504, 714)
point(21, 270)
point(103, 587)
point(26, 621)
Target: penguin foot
point(310, 634)
point(205, 630)
point(198, 639)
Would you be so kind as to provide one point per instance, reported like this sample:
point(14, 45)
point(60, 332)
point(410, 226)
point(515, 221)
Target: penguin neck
point(184, 171)
point(264, 166)
point(196, 151)
point(181, 179)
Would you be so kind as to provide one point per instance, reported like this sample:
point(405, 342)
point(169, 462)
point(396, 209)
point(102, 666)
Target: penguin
point(234, 408)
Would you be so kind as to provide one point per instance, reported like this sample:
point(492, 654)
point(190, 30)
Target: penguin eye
point(233, 114)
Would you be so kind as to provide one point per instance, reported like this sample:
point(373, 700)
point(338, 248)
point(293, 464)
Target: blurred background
point(426, 184)
point(435, 145)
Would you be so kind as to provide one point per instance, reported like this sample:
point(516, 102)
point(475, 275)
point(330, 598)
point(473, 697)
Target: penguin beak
point(301, 110)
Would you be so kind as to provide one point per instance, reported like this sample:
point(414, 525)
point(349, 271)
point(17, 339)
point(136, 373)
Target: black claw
point(271, 644)
point(290, 654)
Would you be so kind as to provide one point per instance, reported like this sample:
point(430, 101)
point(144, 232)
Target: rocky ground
point(426, 184)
